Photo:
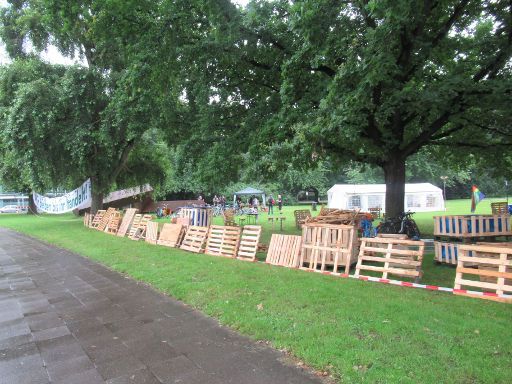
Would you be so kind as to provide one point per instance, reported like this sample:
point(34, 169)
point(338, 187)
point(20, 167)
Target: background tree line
point(199, 95)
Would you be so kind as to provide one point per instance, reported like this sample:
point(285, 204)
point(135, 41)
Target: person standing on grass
point(280, 202)
point(270, 204)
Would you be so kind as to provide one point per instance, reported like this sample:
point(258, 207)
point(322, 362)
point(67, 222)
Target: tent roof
point(249, 191)
point(381, 188)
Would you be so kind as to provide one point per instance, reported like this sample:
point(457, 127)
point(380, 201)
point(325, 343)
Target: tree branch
point(122, 161)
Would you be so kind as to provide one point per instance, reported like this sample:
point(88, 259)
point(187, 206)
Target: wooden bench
point(375, 212)
point(499, 208)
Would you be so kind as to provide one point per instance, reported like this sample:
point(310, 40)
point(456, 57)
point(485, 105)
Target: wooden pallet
point(138, 228)
point(198, 216)
point(328, 245)
point(194, 239)
point(249, 243)
point(151, 232)
point(301, 215)
point(102, 225)
point(472, 226)
point(391, 253)
point(494, 270)
point(88, 219)
point(113, 223)
point(284, 250)
point(222, 241)
point(171, 235)
point(97, 218)
point(127, 221)
point(446, 253)
point(135, 224)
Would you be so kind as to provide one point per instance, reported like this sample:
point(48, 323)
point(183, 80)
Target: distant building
point(12, 198)
point(420, 197)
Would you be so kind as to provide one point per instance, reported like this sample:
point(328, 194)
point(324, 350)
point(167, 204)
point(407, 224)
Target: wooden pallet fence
point(472, 226)
point(284, 250)
point(126, 222)
point(222, 241)
point(97, 218)
point(171, 235)
point(138, 228)
point(102, 225)
point(113, 224)
point(494, 270)
point(198, 216)
point(326, 245)
point(249, 243)
point(151, 232)
point(388, 256)
point(194, 239)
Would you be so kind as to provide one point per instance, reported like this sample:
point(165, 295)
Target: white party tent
point(419, 197)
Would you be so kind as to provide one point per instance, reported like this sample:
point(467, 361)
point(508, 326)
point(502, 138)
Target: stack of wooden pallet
point(450, 232)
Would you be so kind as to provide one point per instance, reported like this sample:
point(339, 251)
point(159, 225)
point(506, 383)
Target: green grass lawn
point(358, 331)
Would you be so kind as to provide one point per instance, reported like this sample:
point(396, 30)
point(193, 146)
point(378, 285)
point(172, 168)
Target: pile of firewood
point(339, 216)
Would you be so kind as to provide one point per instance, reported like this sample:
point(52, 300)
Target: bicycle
point(403, 224)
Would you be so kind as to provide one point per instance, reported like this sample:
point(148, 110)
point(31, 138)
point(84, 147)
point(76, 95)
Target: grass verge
point(358, 331)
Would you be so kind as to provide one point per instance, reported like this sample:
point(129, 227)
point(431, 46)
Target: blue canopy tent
point(249, 191)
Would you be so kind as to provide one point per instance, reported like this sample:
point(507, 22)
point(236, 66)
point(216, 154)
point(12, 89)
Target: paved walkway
point(66, 319)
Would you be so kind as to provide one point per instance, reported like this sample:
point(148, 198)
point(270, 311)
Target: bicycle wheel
point(411, 230)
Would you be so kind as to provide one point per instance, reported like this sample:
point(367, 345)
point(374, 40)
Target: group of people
point(252, 202)
point(219, 200)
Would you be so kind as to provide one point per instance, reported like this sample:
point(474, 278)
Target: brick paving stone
point(67, 319)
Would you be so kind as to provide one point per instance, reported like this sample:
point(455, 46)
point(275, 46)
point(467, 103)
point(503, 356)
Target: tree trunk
point(32, 209)
point(97, 202)
point(96, 197)
point(394, 175)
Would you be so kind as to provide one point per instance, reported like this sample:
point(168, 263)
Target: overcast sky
point(51, 54)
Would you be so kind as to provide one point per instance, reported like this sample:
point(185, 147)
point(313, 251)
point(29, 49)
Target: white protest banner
point(80, 198)
point(128, 192)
